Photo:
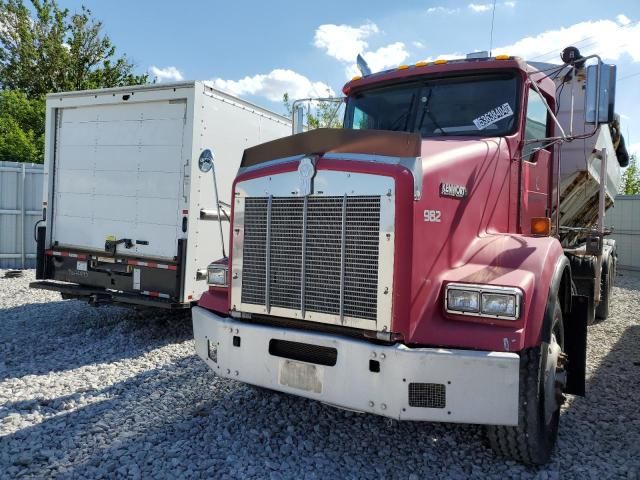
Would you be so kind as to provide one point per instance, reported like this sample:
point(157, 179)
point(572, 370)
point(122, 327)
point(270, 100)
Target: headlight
point(499, 304)
point(463, 300)
point(217, 275)
point(483, 301)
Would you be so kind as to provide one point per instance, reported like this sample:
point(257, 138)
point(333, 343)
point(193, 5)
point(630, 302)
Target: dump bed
point(580, 160)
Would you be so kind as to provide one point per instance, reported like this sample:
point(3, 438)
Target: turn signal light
point(541, 225)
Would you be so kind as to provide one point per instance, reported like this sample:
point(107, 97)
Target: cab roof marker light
point(502, 57)
point(440, 61)
point(402, 67)
point(421, 64)
point(356, 78)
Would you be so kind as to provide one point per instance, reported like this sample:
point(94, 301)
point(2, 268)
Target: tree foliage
point(53, 50)
point(631, 178)
point(21, 127)
point(319, 113)
point(45, 49)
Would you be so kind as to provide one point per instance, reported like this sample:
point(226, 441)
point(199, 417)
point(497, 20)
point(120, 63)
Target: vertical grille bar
point(342, 255)
point(267, 286)
point(304, 254)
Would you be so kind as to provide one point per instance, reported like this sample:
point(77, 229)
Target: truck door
point(536, 160)
point(118, 176)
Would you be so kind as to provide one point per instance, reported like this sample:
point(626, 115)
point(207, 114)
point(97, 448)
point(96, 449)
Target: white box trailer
point(128, 216)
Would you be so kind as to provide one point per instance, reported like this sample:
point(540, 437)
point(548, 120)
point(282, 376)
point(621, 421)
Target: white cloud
point(445, 10)
point(479, 7)
point(384, 57)
point(166, 74)
point(343, 42)
point(446, 56)
point(623, 20)
point(418, 44)
point(274, 85)
point(487, 7)
point(604, 37)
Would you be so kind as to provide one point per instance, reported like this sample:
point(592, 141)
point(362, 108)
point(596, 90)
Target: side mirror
point(205, 162)
point(600, 95)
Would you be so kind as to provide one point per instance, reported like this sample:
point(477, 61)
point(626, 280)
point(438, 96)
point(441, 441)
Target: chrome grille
point(319, 253)
point(255, 238)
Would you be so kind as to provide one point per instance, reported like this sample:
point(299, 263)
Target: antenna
point(493, 17)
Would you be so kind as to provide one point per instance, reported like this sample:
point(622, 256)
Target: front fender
point(533, 264)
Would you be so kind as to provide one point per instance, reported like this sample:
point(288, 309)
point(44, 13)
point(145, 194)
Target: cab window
point(535, 125)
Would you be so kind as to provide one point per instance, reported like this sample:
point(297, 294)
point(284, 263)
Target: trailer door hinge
point(186, 179)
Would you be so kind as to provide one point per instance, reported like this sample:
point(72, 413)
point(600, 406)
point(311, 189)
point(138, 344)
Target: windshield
point(478, 105)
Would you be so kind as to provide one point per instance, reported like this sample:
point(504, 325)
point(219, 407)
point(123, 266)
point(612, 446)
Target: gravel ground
point(90, 393)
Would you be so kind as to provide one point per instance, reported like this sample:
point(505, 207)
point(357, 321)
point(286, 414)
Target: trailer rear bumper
point(99, 296)
point(428, 384)
point(101, 278)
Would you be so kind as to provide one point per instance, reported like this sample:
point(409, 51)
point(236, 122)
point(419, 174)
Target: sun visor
point(335, 140)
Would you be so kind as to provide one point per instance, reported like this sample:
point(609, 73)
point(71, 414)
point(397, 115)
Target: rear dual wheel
point(606, 285)
point(542, 383)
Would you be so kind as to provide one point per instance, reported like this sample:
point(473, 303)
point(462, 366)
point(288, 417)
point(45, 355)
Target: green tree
point(319, 113)
point(44, 49)
point(631, 178)
point(21, 127)
point(53, 50)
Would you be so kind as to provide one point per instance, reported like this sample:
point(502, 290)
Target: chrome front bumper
point(461, 386)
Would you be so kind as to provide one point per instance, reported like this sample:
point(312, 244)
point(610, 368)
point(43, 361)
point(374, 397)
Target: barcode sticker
point(493, 116)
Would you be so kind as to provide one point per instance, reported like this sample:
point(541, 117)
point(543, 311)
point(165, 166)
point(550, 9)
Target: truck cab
point(410, 264)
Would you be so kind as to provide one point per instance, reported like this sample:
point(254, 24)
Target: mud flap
point(575, 343)
point(40, 257)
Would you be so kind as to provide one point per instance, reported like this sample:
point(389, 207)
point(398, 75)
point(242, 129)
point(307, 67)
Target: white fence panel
point(20, 209)
point(624, 218)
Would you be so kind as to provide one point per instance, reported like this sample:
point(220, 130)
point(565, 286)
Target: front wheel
point(542, 383)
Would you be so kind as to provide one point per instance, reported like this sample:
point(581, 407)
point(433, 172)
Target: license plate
point(81, 266)
point(106, 259)
point(302, 376)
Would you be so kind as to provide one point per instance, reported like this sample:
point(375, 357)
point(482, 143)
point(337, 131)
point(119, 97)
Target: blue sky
point(259, 49)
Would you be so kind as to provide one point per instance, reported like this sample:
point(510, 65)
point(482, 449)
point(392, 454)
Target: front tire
point(542, 382)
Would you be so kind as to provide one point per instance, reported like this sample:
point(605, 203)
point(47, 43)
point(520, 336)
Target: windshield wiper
point(403, 116)
point(429, 113)
point(395, 123)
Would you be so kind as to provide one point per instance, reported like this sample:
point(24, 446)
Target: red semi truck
point(438, 258)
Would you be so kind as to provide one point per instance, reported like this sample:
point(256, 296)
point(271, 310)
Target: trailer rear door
point(118, 174)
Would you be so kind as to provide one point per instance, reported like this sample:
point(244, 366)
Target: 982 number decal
point(432, 216)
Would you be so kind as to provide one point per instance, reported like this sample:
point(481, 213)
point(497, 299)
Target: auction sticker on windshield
point(493, 116)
